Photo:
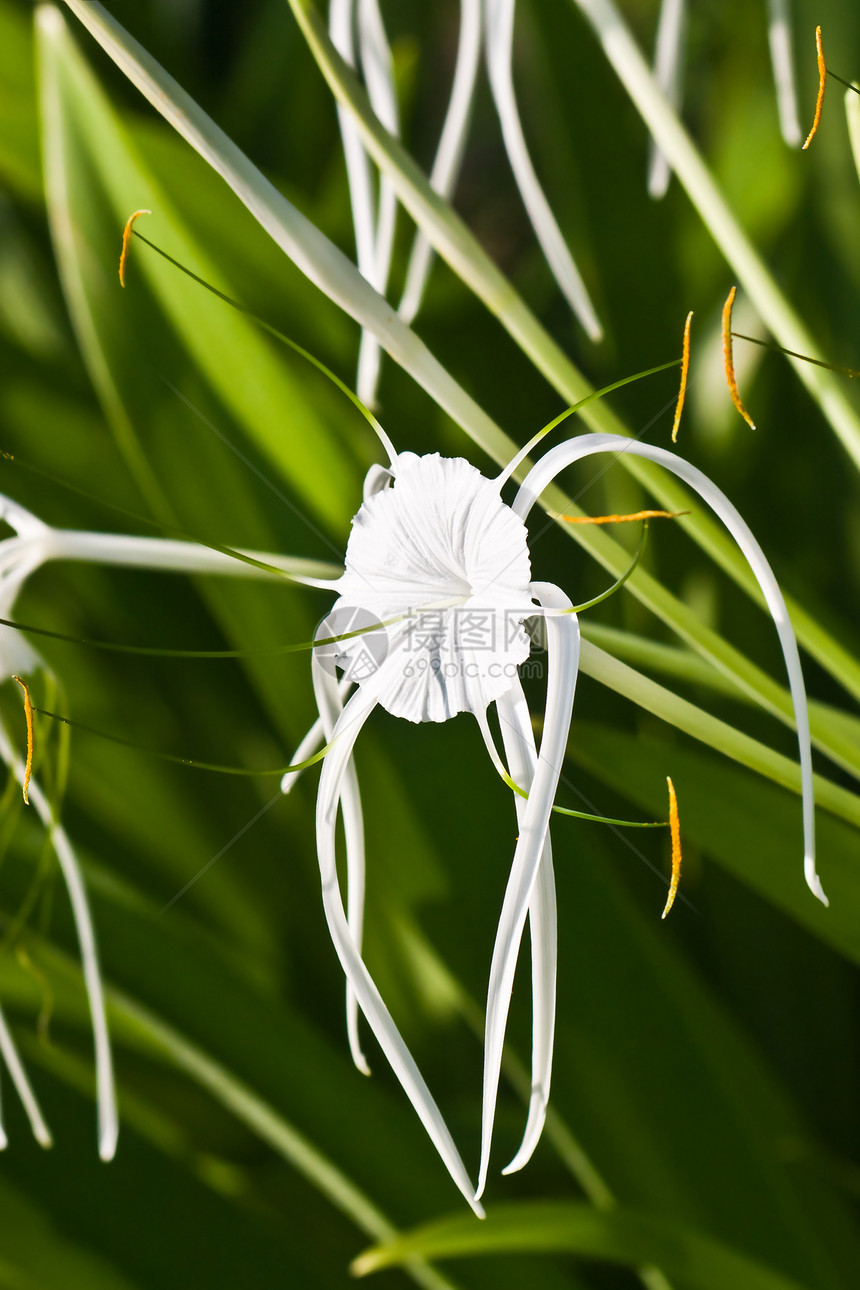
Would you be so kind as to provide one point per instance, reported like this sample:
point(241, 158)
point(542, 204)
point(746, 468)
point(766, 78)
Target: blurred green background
point(707, 1067)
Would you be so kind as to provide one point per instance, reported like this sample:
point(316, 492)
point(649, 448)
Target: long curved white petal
point(108, 1124)
point(782, 61)
point(370, 1001)
point(174, 555)
point(377, 66)
point(500, 39)
point(563, 654)
point(543, 925)
point(311, 742)
point(328, 694)
point(16, 653)
point(669, 73)
point(449, 155)
point(358, 171)
point(24, 522)
point(557, 459)
point(15, 1066)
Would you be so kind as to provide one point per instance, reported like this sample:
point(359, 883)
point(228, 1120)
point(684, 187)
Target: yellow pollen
point(685, 368)
point(28, 714)
point(728, 358)
point(621, 519)
point(822, 81)
point(675, 830)
point(126, 241)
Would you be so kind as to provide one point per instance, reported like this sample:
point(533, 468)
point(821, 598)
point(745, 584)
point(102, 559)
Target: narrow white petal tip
point(44, 1138)
point(813, 882)
point(527, 1147)
point(4, 1141)
point(360, 1062)
point(107, 1142)
point(478, 1209)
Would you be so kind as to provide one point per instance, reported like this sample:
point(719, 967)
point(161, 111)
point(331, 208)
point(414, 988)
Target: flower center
point(441, 532)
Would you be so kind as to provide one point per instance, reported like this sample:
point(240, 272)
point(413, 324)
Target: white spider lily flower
point(434, 550)
point(33, 544)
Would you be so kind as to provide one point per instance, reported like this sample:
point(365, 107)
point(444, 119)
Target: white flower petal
point(782, 61)
point(311, 743)
point(359, 177)
point(452, 142)
point(330, 704)
point(9, 1053)
point(563, 656)
point(376, 63)
point(439, 536)
point(669, 73)
point(557, 459)
point(522, 758)
point(543, 925)
point(500, 39)
point(402, 1063)
point(177, 556)
point(108, 1126)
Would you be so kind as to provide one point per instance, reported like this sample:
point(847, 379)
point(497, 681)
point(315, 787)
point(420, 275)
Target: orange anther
point(28, 715)
point(675, 829)
point(685, 368)
point(126, 240)
point(728, 358)
point(621, 519)
point(822, 82)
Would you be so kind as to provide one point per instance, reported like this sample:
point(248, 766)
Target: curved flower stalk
point(435, 534)
point(33, 544)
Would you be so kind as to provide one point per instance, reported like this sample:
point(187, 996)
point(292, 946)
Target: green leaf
point(92, 169)
point(621, 1237)
point(718, 734)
